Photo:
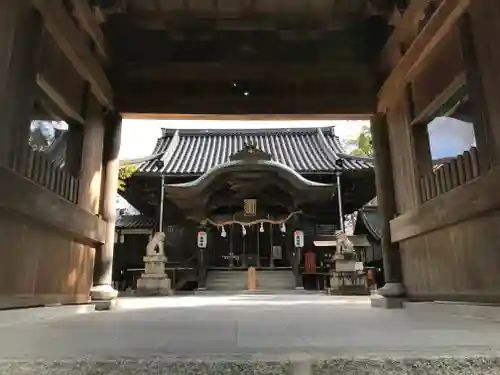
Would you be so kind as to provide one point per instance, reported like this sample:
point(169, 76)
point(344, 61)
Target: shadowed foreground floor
point(299, 334)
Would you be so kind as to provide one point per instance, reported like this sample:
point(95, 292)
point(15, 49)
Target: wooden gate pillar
point(103, 292)
point(387, 207)
point(92, 157)
point(20, 31)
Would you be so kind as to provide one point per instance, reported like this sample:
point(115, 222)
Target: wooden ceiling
point(249, 15)
point(245, 56)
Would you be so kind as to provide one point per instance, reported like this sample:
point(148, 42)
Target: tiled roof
point(369, 218)
point(134, 222)
point(372, 203)
point(188, 152)
point(372, 221)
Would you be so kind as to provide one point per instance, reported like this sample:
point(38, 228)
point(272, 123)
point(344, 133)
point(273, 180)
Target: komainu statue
point(347, 276)
point(155, 246)
point(154, 280)
point(344, 244)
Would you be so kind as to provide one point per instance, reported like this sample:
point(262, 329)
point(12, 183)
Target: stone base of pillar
point(390, 296)
point(106, 305)
point(104, 297)
point(392, 290)
point(103, 293)
point(378, 301)
point(154, 280)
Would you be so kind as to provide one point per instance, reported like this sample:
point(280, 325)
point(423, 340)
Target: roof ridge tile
point(246, 131)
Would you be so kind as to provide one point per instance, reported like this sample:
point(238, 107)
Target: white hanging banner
point(202, 240)
point(298, 238)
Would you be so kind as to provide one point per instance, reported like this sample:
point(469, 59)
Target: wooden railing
point(44, 172)
point(448, 176)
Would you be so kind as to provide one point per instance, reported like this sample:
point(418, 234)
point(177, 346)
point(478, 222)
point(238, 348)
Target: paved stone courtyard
point(241, 327)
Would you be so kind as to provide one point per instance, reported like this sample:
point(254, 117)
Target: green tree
point(124, 173)
point(362, 144)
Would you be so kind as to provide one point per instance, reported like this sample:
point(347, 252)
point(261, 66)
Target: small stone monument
point(154, 280)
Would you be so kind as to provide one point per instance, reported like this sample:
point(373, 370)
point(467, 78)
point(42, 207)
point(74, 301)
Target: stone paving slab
point(29, 315)
point(345, 366)
point(252, 334)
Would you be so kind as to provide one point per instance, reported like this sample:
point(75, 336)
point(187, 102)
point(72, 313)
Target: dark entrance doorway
point(220, 250)
point(261, 246)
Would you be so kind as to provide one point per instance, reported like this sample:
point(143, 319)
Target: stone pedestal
point(347, 276)
point(154, 280)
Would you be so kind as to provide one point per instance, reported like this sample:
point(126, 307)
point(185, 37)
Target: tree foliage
point(124, 173)
point(362, 144)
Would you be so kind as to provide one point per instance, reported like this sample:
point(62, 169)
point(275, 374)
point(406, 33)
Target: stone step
point(237, 280)
point(275, 273)
point(274, 280)
point(227, 280)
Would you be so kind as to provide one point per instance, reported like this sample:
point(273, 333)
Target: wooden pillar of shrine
point(387, 207)
point(20, 30)
point(92, 157)
point(475, 90)
point(103, 292)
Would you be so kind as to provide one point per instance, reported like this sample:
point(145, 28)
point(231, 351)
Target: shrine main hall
point(248, 190)
point(71, 70)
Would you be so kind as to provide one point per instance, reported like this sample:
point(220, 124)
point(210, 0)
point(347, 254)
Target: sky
point(448, 137)
point(139, 136)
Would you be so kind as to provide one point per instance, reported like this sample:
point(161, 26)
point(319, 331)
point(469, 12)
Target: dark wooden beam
point(246, 90)
point(244, 19)
point(340, 105)
point(60, 100)
point(475, 91)
point(20, 196)
point(162, 21)
point(20, 28)
point(406, 24)
point(440, 25)
point(74, 45)
point(138, 46)
point(361, 73)
point(474, 199)
point(90, 24)
point(244, 117)
point(269, 86)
